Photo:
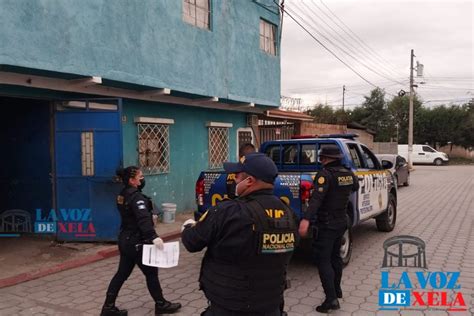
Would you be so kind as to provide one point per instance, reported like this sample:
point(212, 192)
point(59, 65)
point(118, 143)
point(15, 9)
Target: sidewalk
point(31, 257)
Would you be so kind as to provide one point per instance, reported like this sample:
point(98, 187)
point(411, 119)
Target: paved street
point(437, 207)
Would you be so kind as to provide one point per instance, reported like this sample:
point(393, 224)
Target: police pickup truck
point(298, 163)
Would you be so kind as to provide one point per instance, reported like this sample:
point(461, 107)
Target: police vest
point(255, 284)
point(333, 211)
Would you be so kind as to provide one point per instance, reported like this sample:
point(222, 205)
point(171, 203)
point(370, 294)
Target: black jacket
point(249, 243)
point(332, 188)
point(135, 210)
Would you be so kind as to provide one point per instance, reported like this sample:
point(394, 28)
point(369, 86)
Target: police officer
point(136, 229)
point(249, 243)
point(245, 149)
point(328, 210)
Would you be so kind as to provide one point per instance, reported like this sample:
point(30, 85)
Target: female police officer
point(136, 229)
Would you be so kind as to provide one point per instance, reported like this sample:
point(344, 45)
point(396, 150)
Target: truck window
point(428, 149)
point(308, 154)
point(355, 155)
point(274, 153)
point(290, 154)
point(370, 159)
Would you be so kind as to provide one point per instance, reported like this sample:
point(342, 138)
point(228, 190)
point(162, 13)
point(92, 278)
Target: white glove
point(158, 242)
point(188, 222)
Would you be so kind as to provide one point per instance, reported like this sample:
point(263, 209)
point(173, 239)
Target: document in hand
point(166, 258)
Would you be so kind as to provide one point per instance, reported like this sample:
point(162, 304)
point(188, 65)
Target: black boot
point(326, 306)
point(166, 307)
point(338, 292)
point(112, 310)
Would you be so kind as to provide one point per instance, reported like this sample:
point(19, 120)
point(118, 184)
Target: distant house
point(93, 85)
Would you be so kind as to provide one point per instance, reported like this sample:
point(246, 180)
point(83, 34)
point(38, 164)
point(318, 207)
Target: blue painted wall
point(188, 147)
point(146, 42)
point(25, 160)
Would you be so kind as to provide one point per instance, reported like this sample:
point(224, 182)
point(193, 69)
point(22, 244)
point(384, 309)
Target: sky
point(375, 38)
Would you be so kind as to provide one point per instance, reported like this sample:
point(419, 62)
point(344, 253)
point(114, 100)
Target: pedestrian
point(136, 229)
point(249, 243)
point(328, 210)
point(245, 149)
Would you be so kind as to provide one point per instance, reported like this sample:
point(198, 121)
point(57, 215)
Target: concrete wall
point(188, 147)
point(310, 128)
point(457, 151)
point(385, 148)
point(147, 43)
point(364, 137)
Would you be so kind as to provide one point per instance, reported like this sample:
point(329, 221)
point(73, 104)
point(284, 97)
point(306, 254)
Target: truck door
point(375, 185)
point(429, 154)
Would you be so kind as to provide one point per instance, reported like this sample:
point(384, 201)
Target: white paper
point(166, 258)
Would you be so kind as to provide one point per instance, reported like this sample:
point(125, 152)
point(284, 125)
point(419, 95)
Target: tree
point(398, 109)
point(323, 114)
point(374, 115)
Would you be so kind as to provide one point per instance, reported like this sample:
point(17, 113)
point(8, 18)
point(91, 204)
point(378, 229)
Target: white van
point(423, 154)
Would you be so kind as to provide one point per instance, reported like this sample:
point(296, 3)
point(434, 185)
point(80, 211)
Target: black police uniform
point(249, 243)
point(327, 210)
point(136, 229)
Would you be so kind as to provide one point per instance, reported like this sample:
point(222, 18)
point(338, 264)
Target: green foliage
point(436, 126)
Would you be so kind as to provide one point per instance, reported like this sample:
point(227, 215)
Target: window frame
point(217, 127)
point(360, 157)
point(194, 7)
point(366, 151)
point(163, 161)
point(272, 49)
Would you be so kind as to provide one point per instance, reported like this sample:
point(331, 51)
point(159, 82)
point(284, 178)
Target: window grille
point(267, 37)
point(218, 146)
point(154, 148)
point(197, 13)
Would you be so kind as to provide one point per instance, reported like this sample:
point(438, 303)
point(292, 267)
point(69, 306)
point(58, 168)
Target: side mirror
point(387, 164)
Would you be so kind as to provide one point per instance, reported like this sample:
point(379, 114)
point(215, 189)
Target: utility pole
point(343, 93)
point(410, 115)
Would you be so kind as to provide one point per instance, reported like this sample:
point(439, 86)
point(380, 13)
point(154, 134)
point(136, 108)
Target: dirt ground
point(30, 253)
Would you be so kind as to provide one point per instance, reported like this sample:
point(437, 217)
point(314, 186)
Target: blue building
point(88, 86)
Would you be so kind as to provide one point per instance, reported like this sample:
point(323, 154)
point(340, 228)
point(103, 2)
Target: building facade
point(92, 85)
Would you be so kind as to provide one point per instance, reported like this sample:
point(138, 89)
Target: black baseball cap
point(255, 164)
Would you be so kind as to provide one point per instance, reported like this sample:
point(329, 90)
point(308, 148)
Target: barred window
point(197, 13)
point(218, 145)
point(154, 148)
point(267, 37)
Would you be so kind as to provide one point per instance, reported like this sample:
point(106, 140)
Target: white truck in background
point(424, 154)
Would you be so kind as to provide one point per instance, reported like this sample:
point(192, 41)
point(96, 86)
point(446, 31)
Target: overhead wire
point(335, 45)
point(358, 39)
point(325, 47)
point(356, 47)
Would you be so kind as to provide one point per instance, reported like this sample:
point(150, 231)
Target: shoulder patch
point(120, 199)
point(321, 180)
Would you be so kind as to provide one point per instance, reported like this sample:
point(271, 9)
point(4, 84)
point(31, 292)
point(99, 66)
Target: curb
point(109, 252)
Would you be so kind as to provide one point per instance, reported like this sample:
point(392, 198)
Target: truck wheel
point(346, 247)
point(386, 221)
point(438, 162)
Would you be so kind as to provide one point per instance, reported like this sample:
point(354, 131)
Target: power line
point(357, 38)
point(344, 51)
point(359, 48)
point(325, 47)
